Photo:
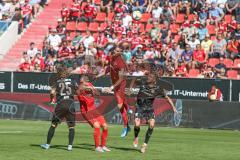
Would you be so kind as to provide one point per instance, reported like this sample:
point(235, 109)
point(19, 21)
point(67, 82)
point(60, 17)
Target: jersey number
point(65, 89)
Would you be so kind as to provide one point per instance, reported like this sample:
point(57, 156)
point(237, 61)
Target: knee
point(54, 125)
point(105, 127)
point(96, 125)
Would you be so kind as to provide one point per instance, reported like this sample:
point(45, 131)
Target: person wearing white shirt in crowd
point(88, 39)
point(32, 51)
point(127, 20)
point(156, 11)
point(90, 54)
point(5, 7)
point(193, 43)
point(54, 40)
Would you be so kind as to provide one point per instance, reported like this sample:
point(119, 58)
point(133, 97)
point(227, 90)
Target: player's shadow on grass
point(64, 147)
point(86, 145)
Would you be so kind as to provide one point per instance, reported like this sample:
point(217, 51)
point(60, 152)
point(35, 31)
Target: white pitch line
point(6, 132)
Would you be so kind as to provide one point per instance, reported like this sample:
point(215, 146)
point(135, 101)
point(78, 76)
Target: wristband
point(112, 87)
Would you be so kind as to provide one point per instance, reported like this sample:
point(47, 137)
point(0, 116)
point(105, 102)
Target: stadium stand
point(150, 30)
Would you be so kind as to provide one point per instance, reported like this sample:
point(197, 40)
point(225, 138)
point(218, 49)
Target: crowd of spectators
point(183, 38)
point(22, 11)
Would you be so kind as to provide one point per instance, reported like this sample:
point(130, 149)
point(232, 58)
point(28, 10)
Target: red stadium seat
point(71, 26)
point(103, 26)
point(232, 74)
point(174, 28)
point(145, 17)
point(228, 18)
point(110, 16)
point(101, 17)
point(228, 63)
point(82, 26)
point(211, 29)
point(180, 18)
point(93, 27)
point(213, 61)
point(95, 35)
point(193, 73)
point(72, 35)
point(149, 27)
point(236, 63)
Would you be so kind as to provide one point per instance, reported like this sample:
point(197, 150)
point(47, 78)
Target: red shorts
point(119, 93)
point(91, 121)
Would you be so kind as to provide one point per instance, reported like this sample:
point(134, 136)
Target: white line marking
point(6, 132)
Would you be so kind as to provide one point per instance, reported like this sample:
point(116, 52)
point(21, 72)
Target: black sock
point(136, 131)
point(71, 135)
point(50, 135)
point(148, 135)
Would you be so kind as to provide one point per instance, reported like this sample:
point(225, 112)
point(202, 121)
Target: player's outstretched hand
point(128, 92)
point(106, 90)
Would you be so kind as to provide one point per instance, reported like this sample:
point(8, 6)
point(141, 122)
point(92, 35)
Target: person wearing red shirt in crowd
point(119, 8)
point(118, 30)
point(222, 27)
point(75, 10)
point(25, 64)
point(64, 52)
point(215, 94)
point(65, 13)
point(89, 12)
point(118, 69)
point(101, 40)
point(26, 12)
point(232, 48)
point(199, 57)
point(136, 41)
point(86, 92)
point(38, 60)
point(232, 26)
point(181, 70)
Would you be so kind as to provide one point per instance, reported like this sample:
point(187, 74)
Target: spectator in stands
point(80, 53)
point(215, 13)
point(140, 5)
point(25, 63)
point(88, 39)
point(174, 55)
point(64, 52)
point(181, 70)
point(65, 13)
point(32, 51)
point(184, 7)
point(167, 14)
point(54, 39)
point(38, 63)
point(237, 13)
point(26, 9)
point(157, 10)
point(203, 15)
point(199, 57)
point(89, 12)
point(49, 63)
point(5, 7)
point(90, 54)
point(202, 32)
point(218, 47)
point(215, 94)
point(155, 31)
point(231, 6)
point(75, 11)
point(206, 44)
point(106, 6)
point(35, 6)
point(220, 68)
point(18, 17)
point(139, 54)
point(193, 42)
point(61, 29)
point(187, 56)
point(233, 48)
point(160, 55)
point(127, 20)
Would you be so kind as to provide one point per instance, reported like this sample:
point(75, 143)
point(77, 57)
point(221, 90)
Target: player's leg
point(70, 118)
point(96, 136)
point(104, 135)
point(137, 123)
point(120, 97)
point(148, 134)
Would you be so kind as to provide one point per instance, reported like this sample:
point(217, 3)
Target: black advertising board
point(236, 90)
point(5, 81)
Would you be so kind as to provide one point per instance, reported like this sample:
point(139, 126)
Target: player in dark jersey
point(64, 88)
point(149, 90)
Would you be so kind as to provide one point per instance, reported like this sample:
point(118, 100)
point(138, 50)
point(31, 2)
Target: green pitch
point(20, 140)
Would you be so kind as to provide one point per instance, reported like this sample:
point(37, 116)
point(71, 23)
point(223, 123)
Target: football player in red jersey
point(118, 69)
point(86, 92)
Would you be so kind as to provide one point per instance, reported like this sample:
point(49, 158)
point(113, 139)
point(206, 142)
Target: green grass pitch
point(20, 140)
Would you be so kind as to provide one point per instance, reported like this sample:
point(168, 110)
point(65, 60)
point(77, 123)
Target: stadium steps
point(36, 33)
